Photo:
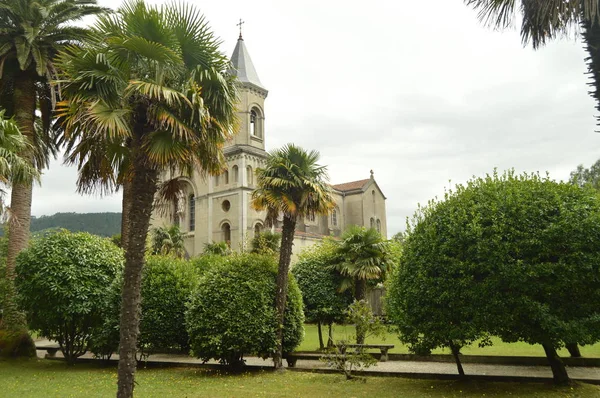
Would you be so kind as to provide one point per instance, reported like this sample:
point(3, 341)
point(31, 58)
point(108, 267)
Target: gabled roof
point(351, 186)
point(242, 64)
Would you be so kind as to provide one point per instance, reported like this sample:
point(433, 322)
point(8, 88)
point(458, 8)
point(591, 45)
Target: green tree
point(510, 256)
point(294, 185)
point(32, 32)
point(363, 256)
point(168, 241)
point(545, 20)
point(232, 312)
point(152, 90)
point(582, 176)
point(62, 281)
point(319, 283)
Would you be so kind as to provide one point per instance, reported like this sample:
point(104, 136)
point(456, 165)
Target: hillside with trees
point(103, 224)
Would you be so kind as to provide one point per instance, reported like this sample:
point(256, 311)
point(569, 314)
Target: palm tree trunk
point(126, 202)
point(360, 293)
point(143, 189)
point(18, 231)
point(591, 40)
point(285, 256)
point(559, 372)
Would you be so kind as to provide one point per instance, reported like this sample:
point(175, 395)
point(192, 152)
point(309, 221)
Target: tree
point(294, 185)
point(32, 33)
point(582, 176)
point(363, 256)
point(152, 88)
point(510, 256)
point(544, 20)
point(14, 340)
point(217, 249)
point(62, 280)
point(168, 241)
point(232, 311)
point(319, 283)
point(266, 243)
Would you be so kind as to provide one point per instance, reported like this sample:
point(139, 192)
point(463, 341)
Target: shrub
point(167, 283)
point(232, 311)
point(266, 243)
point(62, 281)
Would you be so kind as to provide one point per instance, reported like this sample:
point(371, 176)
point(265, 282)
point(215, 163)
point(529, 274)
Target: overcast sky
point(420, 92)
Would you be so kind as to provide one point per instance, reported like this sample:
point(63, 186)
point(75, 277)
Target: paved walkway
point(399, 367)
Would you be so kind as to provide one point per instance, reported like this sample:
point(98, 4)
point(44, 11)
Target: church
point(218, 209)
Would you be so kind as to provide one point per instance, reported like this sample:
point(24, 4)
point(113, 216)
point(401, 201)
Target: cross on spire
point(240, 25)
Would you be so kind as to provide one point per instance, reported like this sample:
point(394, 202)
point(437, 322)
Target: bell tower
point(252, 95)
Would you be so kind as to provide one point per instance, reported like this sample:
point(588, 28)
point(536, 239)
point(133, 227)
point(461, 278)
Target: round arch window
point(226, 205)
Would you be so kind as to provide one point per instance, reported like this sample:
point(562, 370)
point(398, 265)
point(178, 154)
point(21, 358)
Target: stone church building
point(217, 209)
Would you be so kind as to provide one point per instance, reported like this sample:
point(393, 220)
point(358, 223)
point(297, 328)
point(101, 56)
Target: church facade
point(217, 209)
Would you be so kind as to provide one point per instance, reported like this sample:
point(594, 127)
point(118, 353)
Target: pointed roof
point(351, 186)
point(243, 67)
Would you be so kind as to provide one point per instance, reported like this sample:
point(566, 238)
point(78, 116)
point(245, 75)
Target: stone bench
point(51, 350)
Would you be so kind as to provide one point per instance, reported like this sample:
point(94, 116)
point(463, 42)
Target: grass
point(49, 379)
point(311, 343)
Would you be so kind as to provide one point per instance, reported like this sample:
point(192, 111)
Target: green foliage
point(217, 248)
point(62, 281)
point(167, 284)
point(102, 224)
point(319, 284)
point(232, 311)
point(266, 242)
point(168, 241)
point(512, 256)
point(205, 262)
point(582, 176)
point(116, 239)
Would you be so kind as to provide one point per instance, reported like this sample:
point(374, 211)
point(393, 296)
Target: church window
point(226, 231)
point(192, 204)
point(249, 175)
point(257, 229)
point(256, 123)
point(226, 205)
point(235, 174)
point(226, 177)
point(372, 222)
point(334, 218)
point(379, 226)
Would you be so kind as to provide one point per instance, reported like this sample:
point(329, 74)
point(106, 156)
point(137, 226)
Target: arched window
point(235, 174)
point(311, 217)
point(372, 222)
point(226, 231)
point(192, 211)
point(249, 175)
point(379, 226)
point(334, 218)
point(226, 177)
point(256, 123)
point(257, 229)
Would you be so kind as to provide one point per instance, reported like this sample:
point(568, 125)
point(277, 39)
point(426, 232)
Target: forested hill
point(103, 224)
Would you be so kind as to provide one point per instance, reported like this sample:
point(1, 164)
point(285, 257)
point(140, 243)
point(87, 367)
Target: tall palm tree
point(364, 255)
point(294, 185)
point(31, 34)
point(152, 83)
point(544, 20)
point(13, 169)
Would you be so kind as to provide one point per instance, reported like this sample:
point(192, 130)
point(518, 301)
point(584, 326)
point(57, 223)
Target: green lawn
point(48, 379)
point(311, 343)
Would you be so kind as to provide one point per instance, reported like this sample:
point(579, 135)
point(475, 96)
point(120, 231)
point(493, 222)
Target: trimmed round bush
point(232, 311)
point(62, 282)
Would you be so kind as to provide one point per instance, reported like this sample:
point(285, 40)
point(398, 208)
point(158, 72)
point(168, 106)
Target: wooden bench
point(51, 350)
point(384, 348)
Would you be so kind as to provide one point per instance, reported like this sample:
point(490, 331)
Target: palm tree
point(32, 32)
point(294, 185)
point(153, 84)
point(168, 241)
point(544, 20)
point(364, 256)
point(13, 169)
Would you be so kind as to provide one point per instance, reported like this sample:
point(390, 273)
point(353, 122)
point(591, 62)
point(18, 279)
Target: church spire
point(242, 64)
